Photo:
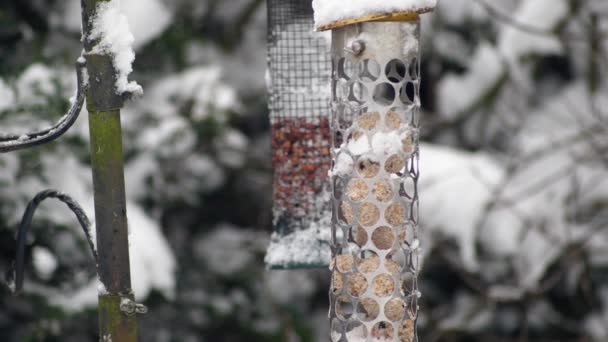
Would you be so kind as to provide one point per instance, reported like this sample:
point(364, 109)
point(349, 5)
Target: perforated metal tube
point(374, 125)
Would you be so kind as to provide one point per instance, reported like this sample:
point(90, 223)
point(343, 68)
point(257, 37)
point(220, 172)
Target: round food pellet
point(356, 135)
point(369, 263)
point(337, 282)
point(368, 168)
point(383, 191)
point(344, 307)
point(345, 263)
point(359, 236)
point(357, 190)
point(406, 332)
point(383, 331)
point(394, 164)
point(346, 211)
point(369, 214)
point(395, 214)
point(383, 237)
point(408, 144)
point(369, 120)
point(368, 309)
point(383, 285)
point(394, 309)
point(392, 266)
point(356, 284)
point(392, 120)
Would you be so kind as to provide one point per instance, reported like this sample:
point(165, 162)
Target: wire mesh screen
point(299, 67)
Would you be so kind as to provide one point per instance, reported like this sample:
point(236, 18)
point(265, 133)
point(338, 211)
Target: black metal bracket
point(13, 142)
point(26, 222)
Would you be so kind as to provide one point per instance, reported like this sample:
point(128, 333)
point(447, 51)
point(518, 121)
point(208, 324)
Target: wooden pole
point(104, 105)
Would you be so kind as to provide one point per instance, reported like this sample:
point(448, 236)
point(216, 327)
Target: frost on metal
point(298, 84)
point(375, 244)
point(111, 31)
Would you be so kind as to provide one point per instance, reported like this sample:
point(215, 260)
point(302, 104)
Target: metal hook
point(26, 222)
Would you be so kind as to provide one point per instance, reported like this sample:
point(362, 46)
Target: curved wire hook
point(13, 142)
point(26, 222)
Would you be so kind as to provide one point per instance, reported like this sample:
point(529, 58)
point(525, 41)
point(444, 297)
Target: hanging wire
point(26, 222)
point(12, 142)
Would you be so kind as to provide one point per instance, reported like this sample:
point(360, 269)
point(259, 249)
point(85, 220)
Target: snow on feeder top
point(374, 125)
point(299, 68)
point(330, 14)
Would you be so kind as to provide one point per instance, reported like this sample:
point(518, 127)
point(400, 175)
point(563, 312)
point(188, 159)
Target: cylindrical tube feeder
point(374, 126)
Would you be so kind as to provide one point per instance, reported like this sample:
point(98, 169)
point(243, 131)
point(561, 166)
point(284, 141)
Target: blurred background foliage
point(514, 196)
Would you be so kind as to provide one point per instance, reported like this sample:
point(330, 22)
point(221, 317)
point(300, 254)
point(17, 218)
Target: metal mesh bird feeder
point(374, 175)
point(299, 68)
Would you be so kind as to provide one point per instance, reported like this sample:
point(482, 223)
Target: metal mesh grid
point(299, 68)
point(375, 247)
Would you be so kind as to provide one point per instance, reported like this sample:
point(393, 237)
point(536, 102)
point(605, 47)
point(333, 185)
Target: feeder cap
point(332, 14)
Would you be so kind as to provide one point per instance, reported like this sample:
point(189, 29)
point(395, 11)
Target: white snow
point(7, 96)
point(101, 288)
point(232, 148)
point(459, 93)
point(456, 187)
point(303, 247)
point(111, 28)
point(227, 249)
point(147, 18)
point(344, 165)
point(329, 11)
point(543, 15)
point(359, 146)
point(201, 87)
point(35, 84)
point(45, 263)
point(301, 285)
point(153, 265)
point(386, 143)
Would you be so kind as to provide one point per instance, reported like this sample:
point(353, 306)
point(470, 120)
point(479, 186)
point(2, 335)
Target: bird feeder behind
point(374, 175)
point(298, 83)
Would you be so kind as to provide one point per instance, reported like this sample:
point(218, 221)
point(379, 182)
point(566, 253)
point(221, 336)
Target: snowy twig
point(509, 20)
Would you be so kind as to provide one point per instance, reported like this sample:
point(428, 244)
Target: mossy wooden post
point(104, 104)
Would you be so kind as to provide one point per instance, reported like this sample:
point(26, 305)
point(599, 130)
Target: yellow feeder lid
point(374, 12)
point(397, 16)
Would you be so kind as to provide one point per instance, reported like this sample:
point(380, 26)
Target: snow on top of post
point(111, 28)
point(328, 12)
